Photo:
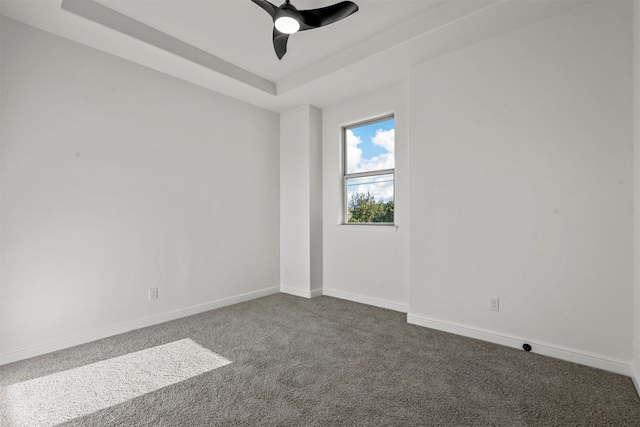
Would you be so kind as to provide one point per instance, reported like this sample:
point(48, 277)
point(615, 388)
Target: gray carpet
point(329, 362)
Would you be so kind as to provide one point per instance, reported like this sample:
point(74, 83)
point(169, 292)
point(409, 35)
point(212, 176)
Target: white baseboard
point(403, 308)
point(83, 338)
point(564, 353)
point(635, 376)
point(304, 294)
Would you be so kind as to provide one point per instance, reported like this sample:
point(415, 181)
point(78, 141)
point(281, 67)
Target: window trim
point(346, 176)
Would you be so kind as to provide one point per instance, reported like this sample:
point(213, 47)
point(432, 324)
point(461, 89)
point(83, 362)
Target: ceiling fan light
point(287, 25)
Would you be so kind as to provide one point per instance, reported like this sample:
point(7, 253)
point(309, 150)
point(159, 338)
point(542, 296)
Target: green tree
point(365, 208)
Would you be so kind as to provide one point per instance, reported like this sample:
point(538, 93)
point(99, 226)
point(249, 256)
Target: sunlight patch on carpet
point(66, 395)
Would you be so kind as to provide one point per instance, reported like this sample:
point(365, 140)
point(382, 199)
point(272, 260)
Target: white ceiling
point(225, 45)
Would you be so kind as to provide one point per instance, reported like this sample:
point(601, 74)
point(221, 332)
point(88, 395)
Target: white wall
point(115, 179)
point(315, 202)
point(300, 201)
point(521, 187)
point(366, 266)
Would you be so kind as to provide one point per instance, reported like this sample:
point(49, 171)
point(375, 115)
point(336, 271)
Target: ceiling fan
point(288, 20)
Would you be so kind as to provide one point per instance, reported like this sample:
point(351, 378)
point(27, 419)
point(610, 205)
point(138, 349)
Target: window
point(369, 171)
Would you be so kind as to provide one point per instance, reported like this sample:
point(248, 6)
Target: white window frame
point(346, 176)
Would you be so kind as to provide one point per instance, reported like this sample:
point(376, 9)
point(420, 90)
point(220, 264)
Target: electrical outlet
point(153, 293)
point(494, 303)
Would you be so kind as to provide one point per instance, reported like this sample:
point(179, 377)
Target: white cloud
point(382, 161)
point(380, 187)
point(385, 139)
point(354, 154)
point(382, 138)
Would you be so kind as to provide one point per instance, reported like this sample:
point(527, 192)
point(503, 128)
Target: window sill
point(370, 228)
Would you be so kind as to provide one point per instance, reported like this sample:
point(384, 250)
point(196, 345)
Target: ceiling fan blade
point(314, 18)
point(280, 42)
point(269, 7)
point(308, 19)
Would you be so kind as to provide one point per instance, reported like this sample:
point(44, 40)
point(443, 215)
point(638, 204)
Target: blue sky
point(367, 133)
point(369, 148)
